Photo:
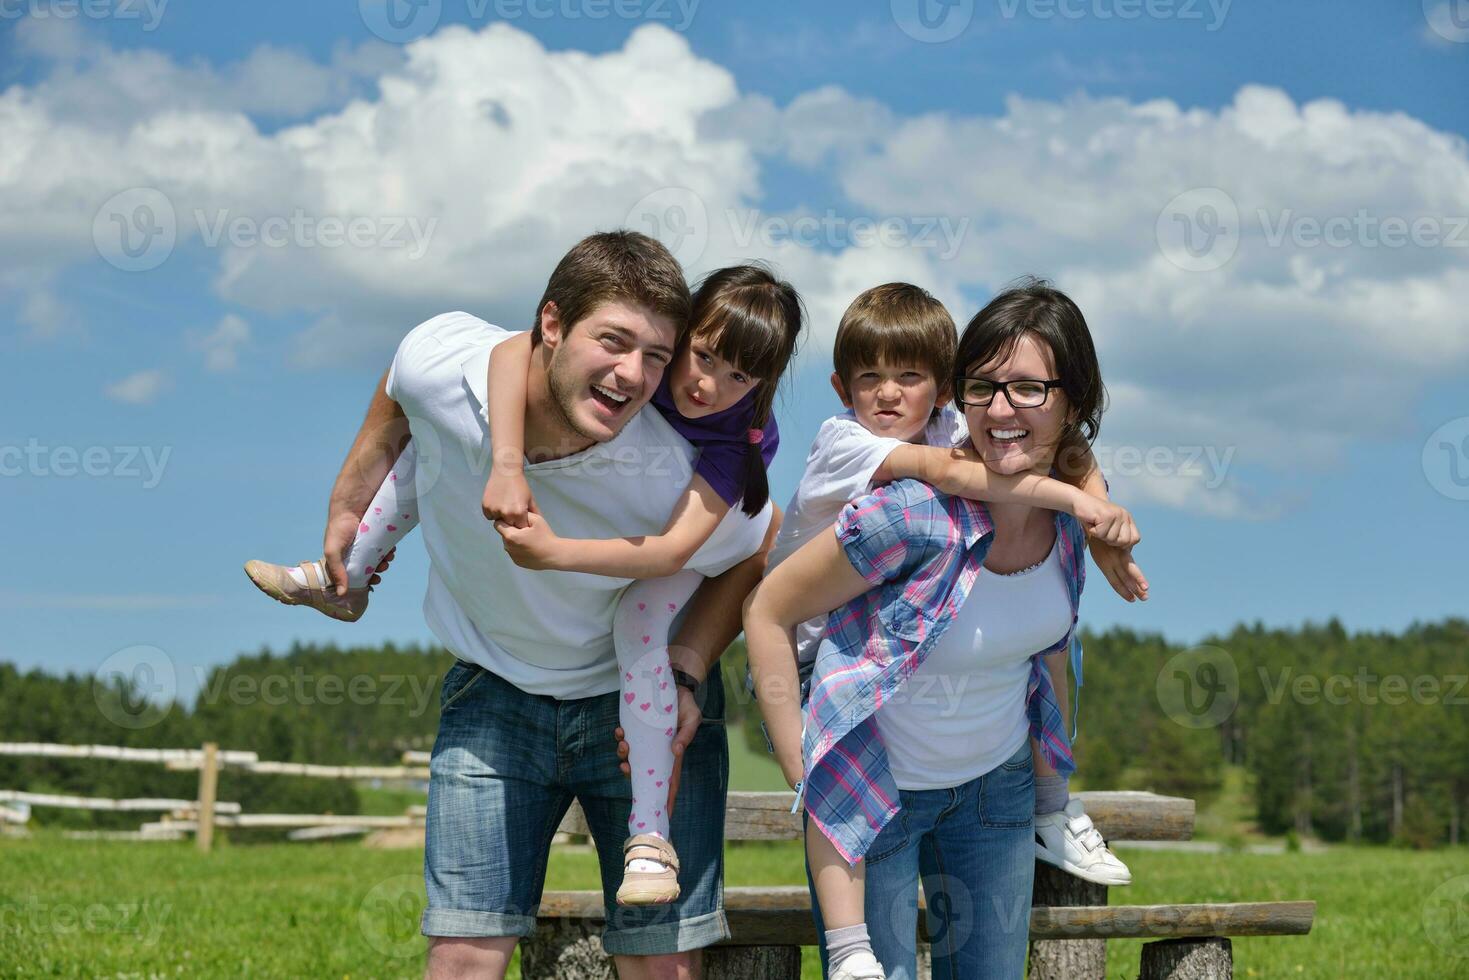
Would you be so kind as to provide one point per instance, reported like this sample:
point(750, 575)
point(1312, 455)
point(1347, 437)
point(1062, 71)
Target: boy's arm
point(694, 519)
point(1079, 467)
point(507, 494)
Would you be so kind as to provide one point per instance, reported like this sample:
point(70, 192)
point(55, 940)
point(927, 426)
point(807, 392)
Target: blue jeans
point(973, 847)
point(505, 768)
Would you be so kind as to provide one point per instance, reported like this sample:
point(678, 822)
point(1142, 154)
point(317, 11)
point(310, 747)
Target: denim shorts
point(506, 766)
point(973, 848)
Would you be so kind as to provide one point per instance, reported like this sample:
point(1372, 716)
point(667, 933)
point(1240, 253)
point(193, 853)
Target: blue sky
point(218, 391)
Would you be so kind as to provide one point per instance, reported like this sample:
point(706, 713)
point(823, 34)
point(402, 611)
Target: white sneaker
point(1069, 840)
point(861, 966)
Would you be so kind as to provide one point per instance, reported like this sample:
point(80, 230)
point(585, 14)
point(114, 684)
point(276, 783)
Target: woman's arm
point(507, 493)
point(694, 519)
point(814, 580)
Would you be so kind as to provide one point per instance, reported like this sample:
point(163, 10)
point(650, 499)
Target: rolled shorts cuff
point(667, 937)
point(468, 924)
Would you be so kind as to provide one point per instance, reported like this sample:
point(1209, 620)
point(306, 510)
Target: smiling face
point(890, 400)
point(606, 366)
point(703, 383)
point(1016, 440)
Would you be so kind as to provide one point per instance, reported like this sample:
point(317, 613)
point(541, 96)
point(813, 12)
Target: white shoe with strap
point(1069, 840)
point(860, 966)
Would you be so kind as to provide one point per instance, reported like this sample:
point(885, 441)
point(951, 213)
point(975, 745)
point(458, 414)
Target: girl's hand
point(534, 546)
point(1117, 564)
point(508, 498)
point(1106, 522)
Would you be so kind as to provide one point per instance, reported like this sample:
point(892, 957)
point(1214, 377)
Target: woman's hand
point(1117, 564)
point(508, 498)
point(1104, 521)
point(534, 546)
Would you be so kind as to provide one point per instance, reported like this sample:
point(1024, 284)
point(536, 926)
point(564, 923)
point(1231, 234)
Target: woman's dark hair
point(751, 319)
point(1033, 306)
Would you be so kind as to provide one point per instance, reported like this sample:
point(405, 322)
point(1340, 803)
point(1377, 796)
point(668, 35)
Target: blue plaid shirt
point(922, 551)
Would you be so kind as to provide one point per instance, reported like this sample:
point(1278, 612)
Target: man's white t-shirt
point(839, 468)
point(546, 632)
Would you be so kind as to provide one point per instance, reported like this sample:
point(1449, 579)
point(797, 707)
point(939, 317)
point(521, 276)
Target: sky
point(216, 221)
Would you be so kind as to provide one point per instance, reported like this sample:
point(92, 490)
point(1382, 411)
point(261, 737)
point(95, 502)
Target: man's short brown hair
point(613, 266)
point(896, 323)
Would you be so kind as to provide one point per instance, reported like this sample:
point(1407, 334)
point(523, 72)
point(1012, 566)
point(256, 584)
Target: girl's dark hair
point(1033, 306)
point(751, 319)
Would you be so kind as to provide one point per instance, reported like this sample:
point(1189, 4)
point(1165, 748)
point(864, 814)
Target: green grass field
point(116, 909)
point(81, 908)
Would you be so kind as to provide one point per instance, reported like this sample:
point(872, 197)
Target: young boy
point(893, 362)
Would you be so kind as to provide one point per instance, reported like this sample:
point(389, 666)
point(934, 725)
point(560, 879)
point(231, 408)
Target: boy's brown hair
point(611, 266)
point(896, 323)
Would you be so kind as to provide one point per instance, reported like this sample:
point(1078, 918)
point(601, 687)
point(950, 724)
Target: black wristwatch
point(684, 679)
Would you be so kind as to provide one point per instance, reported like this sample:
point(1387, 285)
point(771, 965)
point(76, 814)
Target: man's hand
point(1105, 522)
point(689, 717)
point(1117, 564)
point(534, 546)
point(341, 531)
point(508, 498)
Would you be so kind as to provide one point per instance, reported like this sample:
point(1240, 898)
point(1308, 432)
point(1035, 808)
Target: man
point(527, 714)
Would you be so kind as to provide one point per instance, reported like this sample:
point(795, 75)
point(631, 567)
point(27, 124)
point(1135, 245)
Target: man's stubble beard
point(565, 393)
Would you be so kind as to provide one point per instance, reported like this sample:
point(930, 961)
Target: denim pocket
point(890, 840)
point(458, 679)
point(1007, 792)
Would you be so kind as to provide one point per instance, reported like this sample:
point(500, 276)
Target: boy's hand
point(1106, 522)
point(534, 546)
point(1117, 564)
point(508, 498)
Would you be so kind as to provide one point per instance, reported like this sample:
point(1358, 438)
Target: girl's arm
point(694, 519)
point(507, 493)
point(814, 580)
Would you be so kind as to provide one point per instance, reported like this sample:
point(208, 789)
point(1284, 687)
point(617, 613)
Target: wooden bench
point(1070, 920)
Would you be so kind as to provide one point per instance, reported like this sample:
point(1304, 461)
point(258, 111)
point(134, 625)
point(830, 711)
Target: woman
point(934, 593)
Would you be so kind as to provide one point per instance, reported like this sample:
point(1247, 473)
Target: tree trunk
point(1188, 959)
point(1354, 788)
point(1397, 801)
point(1067, 959)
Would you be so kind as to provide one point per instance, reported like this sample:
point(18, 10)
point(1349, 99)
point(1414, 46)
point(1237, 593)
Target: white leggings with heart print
point(648, 709)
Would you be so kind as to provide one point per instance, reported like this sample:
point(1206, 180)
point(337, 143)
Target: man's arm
point(379, 442)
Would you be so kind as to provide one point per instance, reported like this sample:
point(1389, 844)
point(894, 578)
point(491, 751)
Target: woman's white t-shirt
point(962, 712)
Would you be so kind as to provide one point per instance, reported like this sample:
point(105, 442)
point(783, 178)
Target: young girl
point(718, 394)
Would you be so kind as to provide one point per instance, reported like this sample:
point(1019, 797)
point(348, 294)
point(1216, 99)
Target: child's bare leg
point(841, 891)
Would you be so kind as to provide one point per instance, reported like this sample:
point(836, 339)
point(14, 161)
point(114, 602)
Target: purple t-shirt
point(722, 440)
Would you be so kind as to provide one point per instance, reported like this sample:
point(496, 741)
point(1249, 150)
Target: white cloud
point(221, 346)
point(509, 152)
point(137, 389)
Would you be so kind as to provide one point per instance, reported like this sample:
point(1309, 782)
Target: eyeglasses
point(1020, 393)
